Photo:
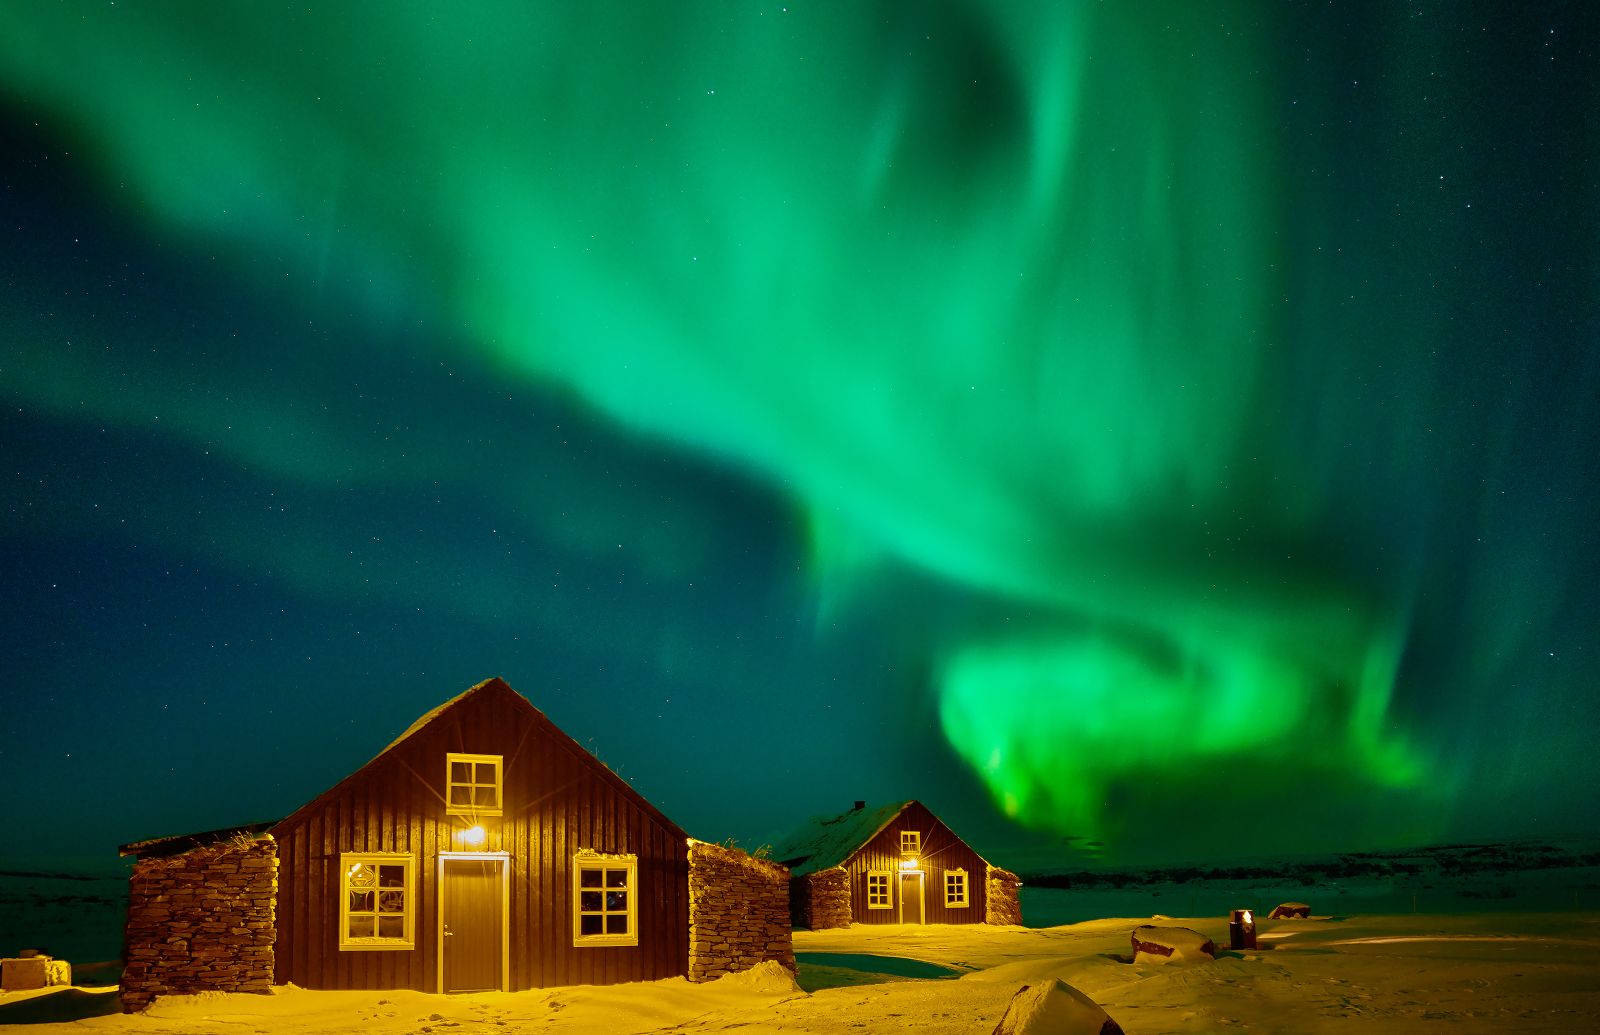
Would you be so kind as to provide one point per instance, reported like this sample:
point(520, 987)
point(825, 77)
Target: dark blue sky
point(1166, 429)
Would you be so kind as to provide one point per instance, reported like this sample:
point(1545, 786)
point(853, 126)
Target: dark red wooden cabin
point(904, 865)
point(483, 849)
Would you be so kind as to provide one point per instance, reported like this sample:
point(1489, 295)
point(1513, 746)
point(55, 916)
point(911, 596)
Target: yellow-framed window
point(605, 899)
point(473, 784)
point(955, 889)
point(377, 901)
point(878, 893)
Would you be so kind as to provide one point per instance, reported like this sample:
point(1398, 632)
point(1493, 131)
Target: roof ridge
point(561, 736)
point(823, 842)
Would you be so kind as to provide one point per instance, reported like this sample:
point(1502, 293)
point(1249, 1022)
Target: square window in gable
point(910, 842)
point(473, 785)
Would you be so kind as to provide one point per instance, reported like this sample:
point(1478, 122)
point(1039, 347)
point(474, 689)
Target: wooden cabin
point(483, 849)
point(893, 864)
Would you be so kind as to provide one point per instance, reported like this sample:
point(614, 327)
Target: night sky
point(1168, 425)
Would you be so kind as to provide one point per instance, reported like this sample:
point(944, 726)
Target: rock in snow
point(1290, 911)
point(1054, 1008)
point(1172, 945)
point(767, 976)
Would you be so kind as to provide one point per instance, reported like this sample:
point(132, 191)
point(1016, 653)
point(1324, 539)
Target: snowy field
point(1486, 972)
point(1552, 891)
point(1492, 950)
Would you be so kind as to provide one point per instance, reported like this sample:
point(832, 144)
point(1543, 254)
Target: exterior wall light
point(474, 836)
point(909, 864)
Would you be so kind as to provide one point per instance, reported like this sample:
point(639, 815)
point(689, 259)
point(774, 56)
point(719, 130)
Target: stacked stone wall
point(822, 900)
point(201, 921)
point(738, 912)
point(1004, 907)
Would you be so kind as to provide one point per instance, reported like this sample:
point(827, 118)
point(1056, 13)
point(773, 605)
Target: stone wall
point(821, 900)
point(201, 921)
point(1004, 908)
point(738, 912)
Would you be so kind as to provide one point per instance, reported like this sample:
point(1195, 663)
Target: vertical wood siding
point(941, 851)
point(557, 799)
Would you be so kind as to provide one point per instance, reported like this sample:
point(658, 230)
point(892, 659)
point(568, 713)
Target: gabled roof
point(438, 710)
point(496, 685)
point(183, 842)
point(827, 841)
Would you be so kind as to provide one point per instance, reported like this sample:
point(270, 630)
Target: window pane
point(616, 878)
point(589, 901)
point(589, 879)
point(392, 902)
point(391, 876)
point(616, 901)
point(360, 901)
point(589, 925)
point(361, 926)
point(460, 772)
point(486, 773)
point(460, 795)
point(391, 927)
point(617, 924)
point(485, 798)
point(361, 876)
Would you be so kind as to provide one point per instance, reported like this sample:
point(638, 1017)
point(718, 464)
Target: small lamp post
point(1242, 929)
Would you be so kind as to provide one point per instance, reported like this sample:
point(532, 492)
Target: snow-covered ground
point(1429, 949)
point(1552, 891)
point(1467, 973)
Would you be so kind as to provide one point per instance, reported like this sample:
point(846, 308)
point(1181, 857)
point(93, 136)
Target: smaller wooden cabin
point(892, 864)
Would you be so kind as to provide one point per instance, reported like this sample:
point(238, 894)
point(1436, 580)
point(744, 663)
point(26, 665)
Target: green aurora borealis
point(1192, 406)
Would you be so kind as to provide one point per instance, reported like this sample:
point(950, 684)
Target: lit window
point(376, 904)
point(910, 842)
point(878, 890)
point(605, 899)
point(955, 889)
point(472, 785)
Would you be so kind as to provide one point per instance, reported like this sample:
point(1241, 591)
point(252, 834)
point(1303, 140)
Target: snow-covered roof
point(433, 713)
point(497, 685)
point(183, 842)
point(827, 841)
